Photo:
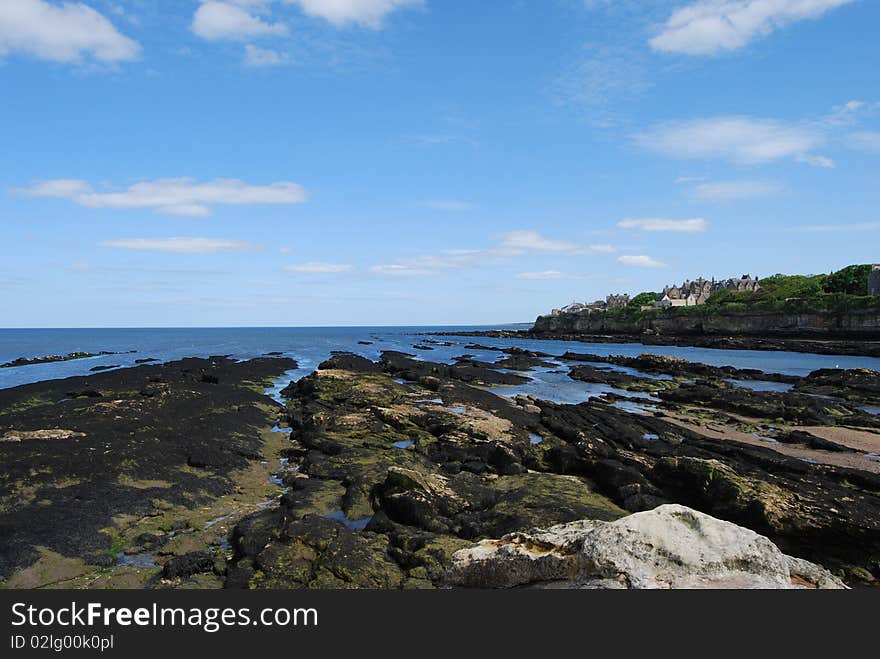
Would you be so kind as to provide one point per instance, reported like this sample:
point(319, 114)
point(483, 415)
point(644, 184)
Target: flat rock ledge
point(669, 547)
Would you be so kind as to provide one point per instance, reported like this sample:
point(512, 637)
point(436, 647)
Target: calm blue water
point(310, 346)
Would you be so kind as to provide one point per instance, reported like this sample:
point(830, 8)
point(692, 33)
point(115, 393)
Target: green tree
point(852, 280)
point(643, 299)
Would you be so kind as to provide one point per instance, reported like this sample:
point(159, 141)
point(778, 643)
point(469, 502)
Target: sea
point(310, 346)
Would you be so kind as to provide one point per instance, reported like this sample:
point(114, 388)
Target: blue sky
point(364, 162)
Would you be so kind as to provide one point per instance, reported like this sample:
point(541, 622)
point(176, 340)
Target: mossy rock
point(316, 552)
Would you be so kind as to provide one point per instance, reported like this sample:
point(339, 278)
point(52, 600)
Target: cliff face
point(858, 324)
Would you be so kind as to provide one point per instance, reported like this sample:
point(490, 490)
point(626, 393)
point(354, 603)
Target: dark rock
point(181, 567)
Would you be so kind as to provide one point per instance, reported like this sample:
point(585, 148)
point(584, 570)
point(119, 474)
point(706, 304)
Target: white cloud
point(181, 245)
point(512, 244)
point(318, 268)
point(602, 76)
point(709, 27)
point(216, 21)
point(518, 242)
point(838, 228)
point(534, 241)
point(369, 13)
point(641, 262)
point(260, 57)
point(694, 225)
point(401, 270)
point(735, 190)
point(865, 141)
point(58, 188)
point(848, 113)
point(548, 275)
point(173, 196)
point(447, 205)
point(71, 32)
point(739, 139)
point(433, 264)
point(816, 161)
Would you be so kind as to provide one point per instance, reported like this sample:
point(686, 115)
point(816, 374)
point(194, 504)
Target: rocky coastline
point(48, 359)
point(407, 473)
point(828, 345)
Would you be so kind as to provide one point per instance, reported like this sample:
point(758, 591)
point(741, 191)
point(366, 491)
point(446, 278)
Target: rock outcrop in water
point(859, 323)
point(48, 359)
point(669, 547)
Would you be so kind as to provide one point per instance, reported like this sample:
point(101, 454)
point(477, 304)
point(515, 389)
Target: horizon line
point(157, 327)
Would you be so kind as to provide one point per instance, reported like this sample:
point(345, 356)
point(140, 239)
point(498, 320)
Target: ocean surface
point(310, 346)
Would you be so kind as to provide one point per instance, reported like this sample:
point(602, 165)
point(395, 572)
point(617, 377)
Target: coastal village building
point(697, 293)
point(689, 294)
point(611, 302)
point(874, 281)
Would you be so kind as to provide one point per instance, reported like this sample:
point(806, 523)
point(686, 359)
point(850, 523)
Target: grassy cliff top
point(843, 291)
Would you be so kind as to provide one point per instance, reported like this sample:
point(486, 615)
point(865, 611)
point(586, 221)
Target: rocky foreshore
point(48, 359)
point(399, 473)
point(866, 347)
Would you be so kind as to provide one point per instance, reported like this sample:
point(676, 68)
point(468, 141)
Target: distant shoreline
point(819, 346)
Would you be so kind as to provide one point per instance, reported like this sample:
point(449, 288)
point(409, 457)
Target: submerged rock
point(669, 547)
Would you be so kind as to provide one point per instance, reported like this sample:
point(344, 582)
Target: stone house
point(696, 293)
point(616, 301)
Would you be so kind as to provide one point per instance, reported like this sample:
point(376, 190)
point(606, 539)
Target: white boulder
point(669, 547)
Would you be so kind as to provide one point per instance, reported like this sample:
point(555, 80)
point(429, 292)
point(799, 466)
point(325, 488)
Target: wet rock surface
point(381, 471)
point(792, 407)
point(29, 361)
point(469, 469)
point(857, 385)
point(83, 457)
point(863, 346)
point(673, 366)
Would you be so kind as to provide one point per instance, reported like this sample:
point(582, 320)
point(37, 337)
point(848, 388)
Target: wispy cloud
point(318, 268)
point(599, 77)
point(509, 245)
point(447, 205)
point(659, 224)
point(69, 32)
point(550, 275)
point(865, 141)
point(709, 27)
point(256, 57)
point(738, 139)
point(641, 262)
point(838, 228)
point(722, 191)
point(173, 196)
point(518, 242)
point(434, 264)
point(219, 21)
point(182, 245)
point(438, 139)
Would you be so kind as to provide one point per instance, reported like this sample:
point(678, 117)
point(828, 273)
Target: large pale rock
point(669, 547)
point(25, 435)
